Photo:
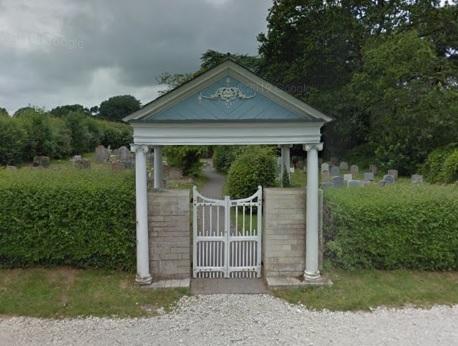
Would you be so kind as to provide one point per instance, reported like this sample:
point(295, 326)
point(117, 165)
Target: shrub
point(450, 168)
point(400, 226)
point(12, 141)
point(187, 158)
point(78, 218)
point(223, 156)
point(253, 167)
point(435, 170)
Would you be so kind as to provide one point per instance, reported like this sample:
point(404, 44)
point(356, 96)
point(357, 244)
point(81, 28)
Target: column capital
point(315, 146)
point(136, 147)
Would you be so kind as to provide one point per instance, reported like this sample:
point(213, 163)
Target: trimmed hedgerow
point(413, 227)
point(77, 218)
point(254, 166)
point(441, 166)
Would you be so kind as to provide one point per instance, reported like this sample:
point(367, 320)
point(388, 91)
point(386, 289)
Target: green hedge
point(441, 166)
point(400, 226)
point(67, 217)
point(254, 166)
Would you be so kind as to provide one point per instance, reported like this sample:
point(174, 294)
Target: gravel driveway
point(243, 319)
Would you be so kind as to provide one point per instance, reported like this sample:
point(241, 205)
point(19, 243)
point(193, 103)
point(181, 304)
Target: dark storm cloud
point(55, 52)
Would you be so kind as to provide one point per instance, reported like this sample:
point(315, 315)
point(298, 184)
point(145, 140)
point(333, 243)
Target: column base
point(143, 280)
point(312, 276)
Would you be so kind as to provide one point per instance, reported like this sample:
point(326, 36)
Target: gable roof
point(184, 103)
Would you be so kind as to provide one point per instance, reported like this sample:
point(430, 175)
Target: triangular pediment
point(226, 93)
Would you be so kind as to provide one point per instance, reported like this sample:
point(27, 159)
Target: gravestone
point(333, 161)
point(41, 161)
point(354, 183)
point(324, 167)
point(347, 177)
point(126, 157)
point(11, 168)
point(326, 185)
point(102, 154)
point(416, 179)
point(83, 164)
point(325, 175)
point(335, 171)
point(343, 166)
point(394, 173)
point(368, 176)
point(373, 169)
point(337, 181)
point(354, 170)
point(388, 179)
point(115, 152)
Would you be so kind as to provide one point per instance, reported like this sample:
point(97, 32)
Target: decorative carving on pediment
point(227, 94)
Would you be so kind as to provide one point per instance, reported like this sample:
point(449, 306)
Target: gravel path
point(245, 320)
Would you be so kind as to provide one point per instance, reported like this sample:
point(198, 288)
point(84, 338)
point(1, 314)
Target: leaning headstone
point(416, 179)
point(388, 179)
point(324, 167)
point(335, 171)
point(347, 177)
point(394, 173)
point(343, 166)
point(11, 168)
point(101, 154)
point(337, 181)
point(41, 161)
point(368, 176)
point(354, 183)
point(354, 170)
point(373, 169)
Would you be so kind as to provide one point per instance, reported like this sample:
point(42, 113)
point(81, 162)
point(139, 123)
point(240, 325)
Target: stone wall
point(284, 232)
point(170, 234)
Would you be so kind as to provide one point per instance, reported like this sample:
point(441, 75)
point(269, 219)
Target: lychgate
point(226, 105)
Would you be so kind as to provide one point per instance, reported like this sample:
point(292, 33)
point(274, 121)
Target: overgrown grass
point(363, 290)
point(65, 292)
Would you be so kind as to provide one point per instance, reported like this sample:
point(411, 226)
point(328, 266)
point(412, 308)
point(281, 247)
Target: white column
point(312, 209)
point(157, 167)
point(143, 273)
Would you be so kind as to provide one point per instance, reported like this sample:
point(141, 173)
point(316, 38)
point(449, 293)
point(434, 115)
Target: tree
point(3, 112)
point(406, 90)
point(61, 111)
point(118, 107)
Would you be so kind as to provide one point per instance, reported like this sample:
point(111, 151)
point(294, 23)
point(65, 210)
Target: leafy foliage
point(12, 141)
point(187, 158)
point(77, 218)
point(441, 165)
point(400, 226)
point(253, 167)
point(224, 156)
point(118, 107)
point(3, 112)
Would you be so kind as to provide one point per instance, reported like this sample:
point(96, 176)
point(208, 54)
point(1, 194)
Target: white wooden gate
point(227, 236)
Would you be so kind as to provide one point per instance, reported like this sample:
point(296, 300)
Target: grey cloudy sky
point(55, 52)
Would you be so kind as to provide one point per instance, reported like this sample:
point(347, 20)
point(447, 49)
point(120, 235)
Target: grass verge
point(363, 290)
point(65, 292)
